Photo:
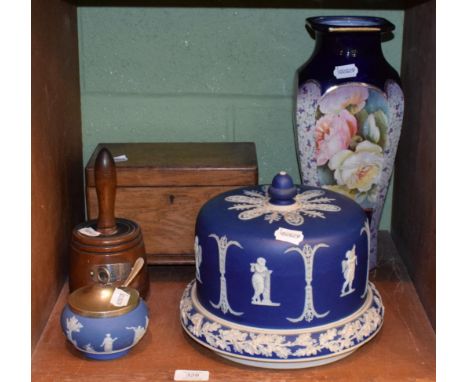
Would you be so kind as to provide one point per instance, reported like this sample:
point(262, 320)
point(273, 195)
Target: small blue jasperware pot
point(98, 328)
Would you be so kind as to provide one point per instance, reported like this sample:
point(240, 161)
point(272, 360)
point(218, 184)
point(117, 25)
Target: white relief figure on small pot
point(198, 258)
point(308, 253)
point(261, 282)
point(108, 343)
point(348, 268)
point(73, 325)
point(223, 245)
point(89, 348)
point(138, 331)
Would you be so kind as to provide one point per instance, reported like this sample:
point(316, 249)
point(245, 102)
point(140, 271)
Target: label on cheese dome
point(289, 235)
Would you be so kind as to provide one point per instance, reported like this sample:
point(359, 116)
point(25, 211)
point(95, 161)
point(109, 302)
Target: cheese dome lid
point(282, 268)
point(283, 204)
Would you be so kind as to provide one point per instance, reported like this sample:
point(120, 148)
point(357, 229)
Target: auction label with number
point(120, 298)
point(289, 235)
point(345, 71)
point(191, 375)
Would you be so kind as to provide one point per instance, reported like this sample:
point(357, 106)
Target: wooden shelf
point(404, 350)
point(57, 206)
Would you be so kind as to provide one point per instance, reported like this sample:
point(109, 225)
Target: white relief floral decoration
point(73, 325)
point(333, 340)
point(309, 203)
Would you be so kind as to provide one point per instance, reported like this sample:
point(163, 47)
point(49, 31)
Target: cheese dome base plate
point(279, 348)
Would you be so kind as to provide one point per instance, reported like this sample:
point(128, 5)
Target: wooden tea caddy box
point(162, 186)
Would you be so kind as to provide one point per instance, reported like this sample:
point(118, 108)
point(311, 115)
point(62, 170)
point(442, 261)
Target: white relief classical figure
point(223, 245)
point(198, 258)
point(108, 343)
point(139, 331)
point(89, 348)
point(261, 283)
point(366, 229)
point(348, 267)
point(308, 253)
point(73, 325)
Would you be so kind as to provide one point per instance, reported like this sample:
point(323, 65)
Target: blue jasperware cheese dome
point(281, 277)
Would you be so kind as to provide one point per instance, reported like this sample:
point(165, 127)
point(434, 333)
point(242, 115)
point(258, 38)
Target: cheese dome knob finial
point(282, 190)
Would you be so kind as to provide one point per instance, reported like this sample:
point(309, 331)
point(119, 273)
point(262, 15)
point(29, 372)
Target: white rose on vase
point(358, 169)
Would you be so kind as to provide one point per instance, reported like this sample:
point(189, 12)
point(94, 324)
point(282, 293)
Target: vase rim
point(350, 24)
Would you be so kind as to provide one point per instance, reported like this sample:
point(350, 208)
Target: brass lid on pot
point(95, 301)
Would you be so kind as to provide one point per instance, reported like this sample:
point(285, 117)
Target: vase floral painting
point(347, 139)
point(351, 131)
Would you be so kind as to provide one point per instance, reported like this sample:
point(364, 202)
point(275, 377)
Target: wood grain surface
point(181, 164)
point(414, 195)
point(404, 350)
point(106, 184)
point(166, 216)
point(162, 187)
point(56, 152)
point(123, 248)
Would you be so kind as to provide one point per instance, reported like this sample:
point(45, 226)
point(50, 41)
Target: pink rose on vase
point(333, 133)
point(352, 98)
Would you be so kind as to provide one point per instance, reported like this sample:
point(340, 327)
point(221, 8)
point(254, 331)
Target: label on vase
point(289, 235)
point(120, 297)
point(191, 375)
point(345, 71)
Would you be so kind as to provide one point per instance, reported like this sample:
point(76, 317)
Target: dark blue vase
point(349, 112)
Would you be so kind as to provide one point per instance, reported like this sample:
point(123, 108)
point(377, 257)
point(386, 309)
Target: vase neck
point(348, 44)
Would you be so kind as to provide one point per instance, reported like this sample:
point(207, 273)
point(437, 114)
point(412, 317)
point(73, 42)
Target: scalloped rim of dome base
point(281, 349)
point(287, 364)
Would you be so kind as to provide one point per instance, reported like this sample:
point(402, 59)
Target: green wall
point(200, 74)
